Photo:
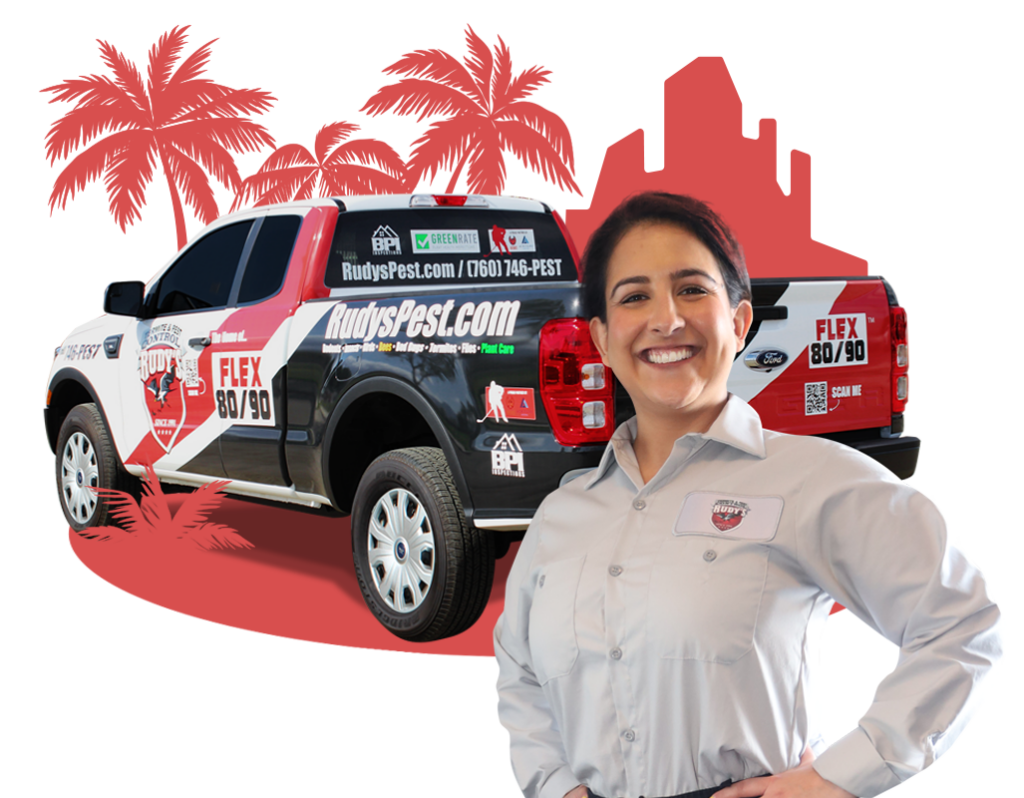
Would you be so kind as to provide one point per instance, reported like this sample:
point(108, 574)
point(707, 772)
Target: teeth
point(668, 355)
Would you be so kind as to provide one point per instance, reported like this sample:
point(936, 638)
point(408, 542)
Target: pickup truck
point(419, 363)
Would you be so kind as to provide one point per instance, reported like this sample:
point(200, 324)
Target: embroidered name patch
point(729, 516)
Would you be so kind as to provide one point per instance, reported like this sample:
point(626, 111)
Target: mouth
point(663, 356)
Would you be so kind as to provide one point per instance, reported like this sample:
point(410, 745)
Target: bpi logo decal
point(385, 241)
point(507, 457)
point(727, 514)
point(160, 370)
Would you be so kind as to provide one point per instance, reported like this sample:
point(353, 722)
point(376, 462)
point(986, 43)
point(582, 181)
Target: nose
point(665, 317)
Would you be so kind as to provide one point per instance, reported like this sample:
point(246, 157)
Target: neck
point(656, 434)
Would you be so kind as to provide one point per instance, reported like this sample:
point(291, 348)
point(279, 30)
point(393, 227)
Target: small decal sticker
point(504, 403)
point(727, 514)
point(815, 398)
point(431, 241)
point(509, 241)
point(385, 241)
point(507, 457)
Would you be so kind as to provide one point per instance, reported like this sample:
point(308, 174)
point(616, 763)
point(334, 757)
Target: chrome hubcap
point(79, 472)
point(401, 550)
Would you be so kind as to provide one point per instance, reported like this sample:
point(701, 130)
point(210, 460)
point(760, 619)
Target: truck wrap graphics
point(312, 382)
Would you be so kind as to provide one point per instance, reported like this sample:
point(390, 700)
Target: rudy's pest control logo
point(727, 514)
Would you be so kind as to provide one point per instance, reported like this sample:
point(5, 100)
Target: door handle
point(200, 342)
point(770, 312)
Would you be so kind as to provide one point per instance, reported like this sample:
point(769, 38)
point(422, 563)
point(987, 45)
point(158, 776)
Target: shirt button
point(615, 570)
point(629, 735)
point(541, 582)
point(709, 555)
point(616, 653)
point(639, 504)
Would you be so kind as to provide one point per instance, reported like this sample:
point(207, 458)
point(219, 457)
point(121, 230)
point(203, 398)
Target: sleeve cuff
point(561, 781)
point(853, 764)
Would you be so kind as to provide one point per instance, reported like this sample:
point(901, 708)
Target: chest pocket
point(552, 619)
point(705, 597)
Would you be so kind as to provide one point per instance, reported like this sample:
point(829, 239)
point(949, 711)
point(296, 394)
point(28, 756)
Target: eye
point(693, 290)
point(631, 298)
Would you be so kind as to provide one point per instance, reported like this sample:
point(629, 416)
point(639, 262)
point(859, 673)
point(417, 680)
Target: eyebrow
point(676, 275)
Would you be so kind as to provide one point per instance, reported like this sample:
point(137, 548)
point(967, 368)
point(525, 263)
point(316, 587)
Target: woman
point(661, 611)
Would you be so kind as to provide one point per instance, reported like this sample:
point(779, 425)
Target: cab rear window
point(446, 246)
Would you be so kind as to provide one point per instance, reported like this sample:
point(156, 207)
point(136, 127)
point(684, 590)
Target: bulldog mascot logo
point(160, 371)
point(727, 514)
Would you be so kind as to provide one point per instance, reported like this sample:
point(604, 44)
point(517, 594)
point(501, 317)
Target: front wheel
point(85, 460)
point(424, 572)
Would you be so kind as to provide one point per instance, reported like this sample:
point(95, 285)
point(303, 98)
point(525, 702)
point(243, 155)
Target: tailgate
point(818, 358)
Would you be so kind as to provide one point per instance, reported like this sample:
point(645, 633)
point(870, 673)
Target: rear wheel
point(85, 460)
point(423, 571)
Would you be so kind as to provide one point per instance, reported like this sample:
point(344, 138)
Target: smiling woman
point(670, 334)
point(662, 611)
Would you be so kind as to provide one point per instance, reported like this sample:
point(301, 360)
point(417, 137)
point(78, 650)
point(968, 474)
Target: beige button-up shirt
point(656, 638)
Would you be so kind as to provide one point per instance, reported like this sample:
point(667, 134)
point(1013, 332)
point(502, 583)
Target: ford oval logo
point(765, 359)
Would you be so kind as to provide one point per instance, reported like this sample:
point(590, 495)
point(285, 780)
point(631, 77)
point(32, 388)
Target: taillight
point(900, 358)
point(576, 387)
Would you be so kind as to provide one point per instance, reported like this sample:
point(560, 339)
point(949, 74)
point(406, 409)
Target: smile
point(661, 356)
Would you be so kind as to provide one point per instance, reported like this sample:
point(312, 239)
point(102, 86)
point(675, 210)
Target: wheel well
point(374, 424)
point(66, 396)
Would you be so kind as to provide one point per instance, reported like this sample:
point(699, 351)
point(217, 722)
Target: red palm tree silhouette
point(436, 83)
point(164, 93)
point(151, 521)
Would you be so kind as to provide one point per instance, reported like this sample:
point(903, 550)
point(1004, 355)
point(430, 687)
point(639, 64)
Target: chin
point(673, 404)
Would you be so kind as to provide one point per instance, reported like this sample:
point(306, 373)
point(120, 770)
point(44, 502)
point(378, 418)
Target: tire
point(424, 572)
point(86, 457)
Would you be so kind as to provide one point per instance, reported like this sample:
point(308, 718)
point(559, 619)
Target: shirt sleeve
point(538, 755)
point(879, 548)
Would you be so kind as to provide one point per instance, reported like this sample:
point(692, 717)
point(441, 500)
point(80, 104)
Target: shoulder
point(844, 495)
point(824, 460)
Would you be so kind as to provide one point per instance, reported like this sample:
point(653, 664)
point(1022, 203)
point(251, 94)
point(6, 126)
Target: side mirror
point(124, 299)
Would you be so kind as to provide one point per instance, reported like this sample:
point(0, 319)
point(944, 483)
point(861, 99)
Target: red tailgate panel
point(857, 395)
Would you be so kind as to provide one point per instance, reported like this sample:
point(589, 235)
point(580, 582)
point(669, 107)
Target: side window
point(268, 262)
point(201, 279)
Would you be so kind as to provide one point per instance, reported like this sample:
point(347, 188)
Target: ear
point(742, 318)
point(599, 335)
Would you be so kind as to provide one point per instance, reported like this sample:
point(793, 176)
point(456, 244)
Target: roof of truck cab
point(397, 201)
point(377, 202)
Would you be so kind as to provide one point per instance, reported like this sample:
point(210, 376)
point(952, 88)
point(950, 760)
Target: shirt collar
point(737, 426)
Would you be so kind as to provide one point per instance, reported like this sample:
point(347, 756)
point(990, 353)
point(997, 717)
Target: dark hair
point(660, 207)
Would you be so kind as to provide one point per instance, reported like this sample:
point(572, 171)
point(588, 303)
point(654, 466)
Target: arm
point(538, 756)
point(879, 547)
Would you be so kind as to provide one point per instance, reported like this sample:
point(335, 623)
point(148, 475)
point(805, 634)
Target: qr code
point(815, 398)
